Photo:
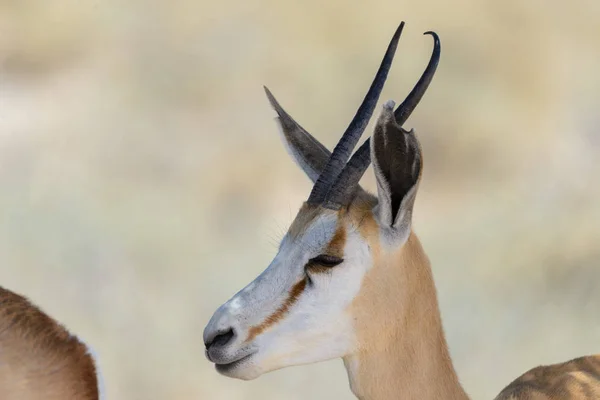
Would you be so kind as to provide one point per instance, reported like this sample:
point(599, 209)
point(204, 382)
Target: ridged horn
point(343, 149)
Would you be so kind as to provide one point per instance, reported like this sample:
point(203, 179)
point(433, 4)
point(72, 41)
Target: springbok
point(351, 280)
point(40, 359)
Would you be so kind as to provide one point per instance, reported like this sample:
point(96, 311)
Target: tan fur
point(400, 348)
point(39, 359)
point(574, 379)
point(336, 245)
point(402, 351)
point(278, 315)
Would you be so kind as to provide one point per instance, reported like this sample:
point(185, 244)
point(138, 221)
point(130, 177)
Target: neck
point(407, 356)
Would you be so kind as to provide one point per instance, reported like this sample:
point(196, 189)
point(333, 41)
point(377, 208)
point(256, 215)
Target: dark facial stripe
point(274, 318)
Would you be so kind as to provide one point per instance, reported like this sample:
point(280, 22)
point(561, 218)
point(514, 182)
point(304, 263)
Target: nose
point(219, 338)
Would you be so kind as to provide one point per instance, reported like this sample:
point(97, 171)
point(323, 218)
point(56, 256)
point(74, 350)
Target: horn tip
point(398, 31)
point(432, 33)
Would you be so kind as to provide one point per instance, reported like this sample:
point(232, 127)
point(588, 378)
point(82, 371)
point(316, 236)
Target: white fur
point(99, 377)
point(317, 327)
point(235, 304)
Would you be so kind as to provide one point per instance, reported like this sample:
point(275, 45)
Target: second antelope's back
point(577, 379)
point(39, 358)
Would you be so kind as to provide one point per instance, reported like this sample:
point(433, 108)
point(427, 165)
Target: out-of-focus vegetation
point(142, 180)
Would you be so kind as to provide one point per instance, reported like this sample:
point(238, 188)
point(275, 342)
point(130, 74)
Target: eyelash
point(325, 260)
point(321, 264)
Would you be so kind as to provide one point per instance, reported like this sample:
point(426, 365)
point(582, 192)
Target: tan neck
point(402, 349)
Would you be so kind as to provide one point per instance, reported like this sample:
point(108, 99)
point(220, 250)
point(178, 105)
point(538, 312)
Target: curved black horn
point(346, 185)
point(343, 149)
point(344, 189)
point(408, 105)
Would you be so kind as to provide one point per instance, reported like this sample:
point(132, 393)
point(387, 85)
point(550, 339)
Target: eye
point(320, 264)
point(325, 260)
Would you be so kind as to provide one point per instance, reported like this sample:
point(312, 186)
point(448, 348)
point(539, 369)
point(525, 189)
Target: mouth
point(224, 368)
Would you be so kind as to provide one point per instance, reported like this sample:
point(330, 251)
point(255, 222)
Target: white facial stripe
point(315, 237)
point(319, 327)
point(249, 287)
point(235, 304)
point(316, 325)
point(265, 295)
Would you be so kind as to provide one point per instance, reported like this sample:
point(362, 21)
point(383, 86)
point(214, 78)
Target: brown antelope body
point(575, 379)
point(39, 358)
point(350, 279)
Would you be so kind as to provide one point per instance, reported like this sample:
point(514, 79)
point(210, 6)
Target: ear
point(306, 151)
point(397, 162)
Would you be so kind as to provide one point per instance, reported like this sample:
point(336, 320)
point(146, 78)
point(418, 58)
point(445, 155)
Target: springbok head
point(324, 294)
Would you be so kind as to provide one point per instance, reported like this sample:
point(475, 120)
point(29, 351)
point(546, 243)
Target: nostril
point(221, 339)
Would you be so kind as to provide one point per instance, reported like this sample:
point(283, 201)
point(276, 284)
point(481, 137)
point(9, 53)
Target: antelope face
point(300, 308)
point(297, 310)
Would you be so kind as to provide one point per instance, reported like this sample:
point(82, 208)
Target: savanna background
point(143, 182)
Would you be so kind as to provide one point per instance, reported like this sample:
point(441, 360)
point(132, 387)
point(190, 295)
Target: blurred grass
point(142, 181)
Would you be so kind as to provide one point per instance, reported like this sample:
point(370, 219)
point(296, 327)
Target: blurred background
point(143, 182)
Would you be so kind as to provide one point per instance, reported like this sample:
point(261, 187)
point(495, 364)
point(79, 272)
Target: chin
point(243, 369)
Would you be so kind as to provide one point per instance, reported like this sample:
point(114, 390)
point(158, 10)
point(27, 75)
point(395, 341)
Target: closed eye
point(321, 264)
point(325, 260)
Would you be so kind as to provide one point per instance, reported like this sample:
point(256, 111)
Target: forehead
point(312, 229)
point(312, 218)
point(317, 224)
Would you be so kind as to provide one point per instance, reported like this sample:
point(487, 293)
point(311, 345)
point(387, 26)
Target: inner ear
point(397, 157)
point(406, 167)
